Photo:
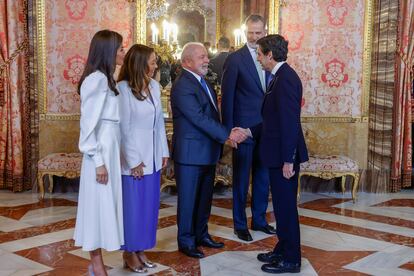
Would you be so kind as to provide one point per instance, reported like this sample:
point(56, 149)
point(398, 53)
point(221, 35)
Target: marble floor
point(374, 236)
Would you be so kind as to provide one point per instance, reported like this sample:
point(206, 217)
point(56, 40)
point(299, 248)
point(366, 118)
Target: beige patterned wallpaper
point(326, 49)
point(350, 139)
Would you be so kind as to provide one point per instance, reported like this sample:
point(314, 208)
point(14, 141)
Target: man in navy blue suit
point(282, 147)
point(196, 148)
point(243, 87)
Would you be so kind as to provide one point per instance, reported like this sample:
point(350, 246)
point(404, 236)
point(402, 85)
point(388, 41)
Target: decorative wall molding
point(74, 14)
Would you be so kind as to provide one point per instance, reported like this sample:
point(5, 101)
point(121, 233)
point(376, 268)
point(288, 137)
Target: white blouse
point(143, 137)
point(98, 102)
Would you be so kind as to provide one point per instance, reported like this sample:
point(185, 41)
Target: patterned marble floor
point(374, 236)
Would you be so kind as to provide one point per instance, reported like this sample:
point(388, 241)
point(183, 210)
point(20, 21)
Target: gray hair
point(255, 18)
point(188, 50)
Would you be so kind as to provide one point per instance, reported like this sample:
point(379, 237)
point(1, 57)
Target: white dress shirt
point(277, 66)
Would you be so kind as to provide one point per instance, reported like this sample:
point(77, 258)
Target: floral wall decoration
point(69, 27)
point(326, 49)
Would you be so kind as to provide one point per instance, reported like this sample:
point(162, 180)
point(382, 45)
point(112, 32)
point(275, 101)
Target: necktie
point(269, 81)
point(259, 72)
point(204, 85)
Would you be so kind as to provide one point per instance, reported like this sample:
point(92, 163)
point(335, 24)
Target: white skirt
point(99, 220)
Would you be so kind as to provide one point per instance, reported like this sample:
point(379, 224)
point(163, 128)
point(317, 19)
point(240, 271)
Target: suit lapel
point(251, 67)
point(271, 84)
point(269, 90)
point(213, 93)
point(201, 90)
point(275, 78)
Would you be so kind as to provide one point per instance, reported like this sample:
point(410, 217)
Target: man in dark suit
point(196, 148)
point(282, 147)
point(217, 62)
point(243, 87)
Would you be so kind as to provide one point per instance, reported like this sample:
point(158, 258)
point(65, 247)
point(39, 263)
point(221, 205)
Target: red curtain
point(14, 96)
point(402, 140)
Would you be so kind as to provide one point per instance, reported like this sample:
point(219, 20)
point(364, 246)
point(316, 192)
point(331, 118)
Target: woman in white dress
point(99, 220)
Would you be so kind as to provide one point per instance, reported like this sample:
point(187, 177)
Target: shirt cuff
point(97, 158)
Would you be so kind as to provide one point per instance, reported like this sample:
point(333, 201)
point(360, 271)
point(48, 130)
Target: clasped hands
point(237, 136)
point(138, 171)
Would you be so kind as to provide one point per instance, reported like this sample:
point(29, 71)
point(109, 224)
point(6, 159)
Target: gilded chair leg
point(343, 180)
point(50, 176)
point(41, 185)
point(355, 187)
point(298, 193)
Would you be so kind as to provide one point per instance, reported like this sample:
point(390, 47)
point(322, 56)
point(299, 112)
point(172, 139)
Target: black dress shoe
point(192, 252)
point(281, 267)
point(244, 235)
point(269, 257)
point(208, 242)
point(268, 229)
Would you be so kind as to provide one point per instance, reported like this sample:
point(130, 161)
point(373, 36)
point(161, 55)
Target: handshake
point(237, 136)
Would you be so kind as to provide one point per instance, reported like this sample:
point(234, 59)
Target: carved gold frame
point(41, 39)
point(140, 37)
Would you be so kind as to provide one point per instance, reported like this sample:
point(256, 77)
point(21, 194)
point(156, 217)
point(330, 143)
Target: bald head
point(194, 57)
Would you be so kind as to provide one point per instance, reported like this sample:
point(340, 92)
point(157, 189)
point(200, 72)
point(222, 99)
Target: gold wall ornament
point(218, 25)
point(41, 55)
point(273, 20)
point(165, 52)
point(191, 5)
point(140, 22)
point(156, 8)
point(366, 59)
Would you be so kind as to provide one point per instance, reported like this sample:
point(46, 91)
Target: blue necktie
point(269, 81)
point(204, 85)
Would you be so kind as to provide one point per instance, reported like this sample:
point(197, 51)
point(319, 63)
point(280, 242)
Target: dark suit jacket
point(242, 93)
point(281, 135)
point(217, 63)
point(198, 133)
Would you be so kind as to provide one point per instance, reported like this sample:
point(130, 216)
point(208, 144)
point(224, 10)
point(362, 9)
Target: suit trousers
point(246, 157)
point(195, 185)
point(284, 197)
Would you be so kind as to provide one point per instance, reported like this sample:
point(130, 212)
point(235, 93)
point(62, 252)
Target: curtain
point(15, 144)
point(402, 144)
point(384, 38)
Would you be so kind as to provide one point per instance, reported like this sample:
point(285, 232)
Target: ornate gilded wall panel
point(273, 20)
point(64, 30)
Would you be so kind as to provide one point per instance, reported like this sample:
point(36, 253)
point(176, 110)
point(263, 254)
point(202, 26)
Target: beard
point(203, 70)
point(252, 45)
